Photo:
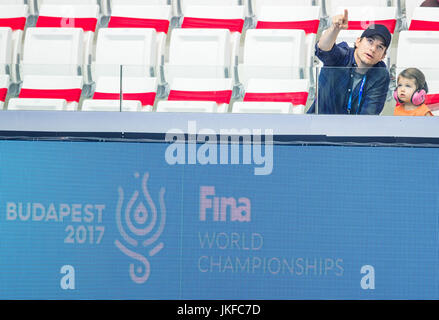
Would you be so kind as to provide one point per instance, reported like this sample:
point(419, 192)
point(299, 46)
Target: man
point(352, 80)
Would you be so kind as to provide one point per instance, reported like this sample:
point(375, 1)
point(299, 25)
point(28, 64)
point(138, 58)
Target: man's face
point(369, 51)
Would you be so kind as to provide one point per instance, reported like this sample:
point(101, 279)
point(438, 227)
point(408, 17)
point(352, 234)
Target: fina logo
point(140, 228)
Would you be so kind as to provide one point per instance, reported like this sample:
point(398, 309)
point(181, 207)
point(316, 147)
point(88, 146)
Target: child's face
point(406, 88)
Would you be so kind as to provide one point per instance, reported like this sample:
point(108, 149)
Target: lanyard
point(360, 95)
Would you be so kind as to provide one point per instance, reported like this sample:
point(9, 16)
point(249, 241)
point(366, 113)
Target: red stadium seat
point(138, 94)
point(201, 95)
point(274, 96)
point(425, 19)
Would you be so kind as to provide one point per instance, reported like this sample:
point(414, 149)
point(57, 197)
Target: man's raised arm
point(329, 36)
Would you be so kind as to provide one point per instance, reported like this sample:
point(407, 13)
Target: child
point(410, 94)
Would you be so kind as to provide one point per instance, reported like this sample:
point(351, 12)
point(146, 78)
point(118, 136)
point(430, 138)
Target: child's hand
point(340, 22)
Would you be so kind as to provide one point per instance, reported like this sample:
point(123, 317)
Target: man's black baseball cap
point(378, 30)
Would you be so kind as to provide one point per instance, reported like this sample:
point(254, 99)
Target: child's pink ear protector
point(418, 96)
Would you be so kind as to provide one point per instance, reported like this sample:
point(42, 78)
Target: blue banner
point(116, 220)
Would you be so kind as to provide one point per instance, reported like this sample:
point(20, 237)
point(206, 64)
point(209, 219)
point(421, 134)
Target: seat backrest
point(53, 51)
point(140, 89)
point(204, 53)
point(69, 16)
point(269, 47)
point(141, 16)
point(333, 5)
point(425, 18)
point(222, 17)
point(186, 3)
point(185, 89)
point(55, 87)
point(133, 48)
point(294, 91)
point(306, 18)
point(361, 17)
point(273, 54)
point(13, 16)
point(289, 17)
point(258, 4)
point(419, 49)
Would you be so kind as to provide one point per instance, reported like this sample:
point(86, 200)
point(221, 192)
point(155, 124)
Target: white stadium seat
point(360, 17)
point(289, 17)
point(419, 49)
point(199, 53)
point(273, 54)
point(144, 16)
point(183, 4)
point(133, 48)
point(53, 51)
point(180, 7)
point(258, 4)
point(274, 96)
point(13, 15)
point(156, 16)
point(84, 16)
point(37, 7)
point(4, 84)
point(69, 16)
point(425, 19)
point(198, 95)
point(292, 17)
point(217, 17)
point(138, 94)
point(107, 6)
point(141, 16)
point(254, 9)
point(48, 93)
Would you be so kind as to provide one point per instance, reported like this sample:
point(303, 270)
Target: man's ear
point(357, 42)
point(384, 55)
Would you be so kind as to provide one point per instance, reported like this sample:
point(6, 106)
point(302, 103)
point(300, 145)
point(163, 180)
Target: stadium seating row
point(211, 95)
point(252, 7)
point(274, 49)
point(52, 61)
